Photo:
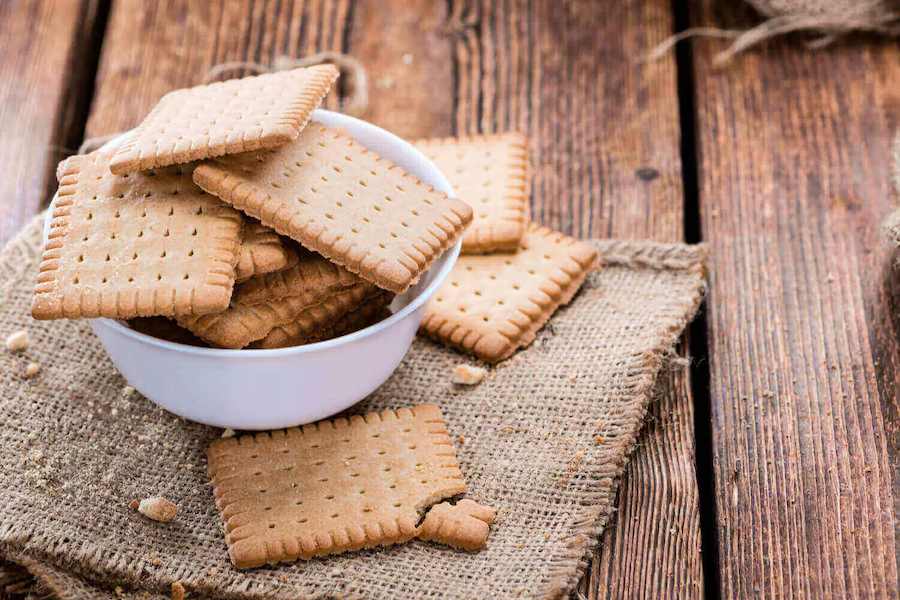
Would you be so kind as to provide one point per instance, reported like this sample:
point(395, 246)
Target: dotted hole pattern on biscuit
point(333, 486)
point(127, 245)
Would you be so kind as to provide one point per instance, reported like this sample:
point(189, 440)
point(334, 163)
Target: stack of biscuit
point(227, 218)
point(513, 274)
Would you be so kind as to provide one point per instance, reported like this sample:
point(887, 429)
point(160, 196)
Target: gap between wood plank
point(84, 62)
point(697, 331)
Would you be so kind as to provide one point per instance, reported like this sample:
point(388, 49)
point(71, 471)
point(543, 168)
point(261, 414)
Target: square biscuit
point(226, 117)
point(312, 274)
point(332, 486)
point(302, 331)
point(492, 305)
point(262, 251)
point(139, 245)
point(340, 199)
point(319, 295)
point(491, 174)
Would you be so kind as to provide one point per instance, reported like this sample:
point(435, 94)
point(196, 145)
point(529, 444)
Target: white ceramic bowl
point(269, 389)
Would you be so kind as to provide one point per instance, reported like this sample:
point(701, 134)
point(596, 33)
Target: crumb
point(468, 375)
point(128, 391)
point(134, 504)
point(229, 432)
point(118, 590)
point(17, 342)
point(158, 509)
point(407, 58)
point(461, 440)
point(114, 412)
point(155, 561)
point(32, 369)
point(178, 592)
point(598, 439)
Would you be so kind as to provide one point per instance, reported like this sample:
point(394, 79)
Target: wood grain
point(406, 50)
point(652, 548)
point(794, 156)
point(43, 47)
point(605, 134)
point(154, 47)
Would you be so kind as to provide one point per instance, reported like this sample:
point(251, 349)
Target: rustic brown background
point(772, 467)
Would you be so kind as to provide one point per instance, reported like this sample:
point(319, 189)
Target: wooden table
point(770, 467)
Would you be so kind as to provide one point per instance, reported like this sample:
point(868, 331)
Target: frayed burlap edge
point(563, 578)
point(567, 567)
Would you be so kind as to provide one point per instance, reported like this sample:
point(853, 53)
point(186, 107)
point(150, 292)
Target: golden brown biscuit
point(490, 173)
point(332, 486)
point(144, 244)
point(226, 117)
point(343, 201)
point(491, 305)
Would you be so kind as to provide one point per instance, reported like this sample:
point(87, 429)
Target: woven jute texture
point(76, 450)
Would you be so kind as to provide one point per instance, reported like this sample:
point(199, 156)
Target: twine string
point(830, 27)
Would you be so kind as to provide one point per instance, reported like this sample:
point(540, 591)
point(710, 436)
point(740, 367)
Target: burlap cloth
point(543, 439)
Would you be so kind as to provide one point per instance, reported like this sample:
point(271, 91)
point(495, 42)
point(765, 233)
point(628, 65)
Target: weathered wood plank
point(652, 547)
point(406, 51)
point(44, 49)
point(154, 47)
point(794, 155)
point(606, 157)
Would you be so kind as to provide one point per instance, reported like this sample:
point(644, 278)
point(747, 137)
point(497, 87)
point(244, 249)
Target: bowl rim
point(452, 254)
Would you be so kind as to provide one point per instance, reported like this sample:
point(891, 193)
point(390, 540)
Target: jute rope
point(829, 18)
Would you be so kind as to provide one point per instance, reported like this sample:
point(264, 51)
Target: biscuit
point(242, 324)
point(490, 173)
point(226, 117)
point(464, 525)
point(262, 251)
point(332, 486)
point(342, 200)
point(311, 272)
point(491, 305)
point(300, 331)
point(145, 244)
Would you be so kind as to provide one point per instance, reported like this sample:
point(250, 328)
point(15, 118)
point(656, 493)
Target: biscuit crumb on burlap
point(157, 508)
point(464, 525)
point(18, 341)
point(464, 374)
